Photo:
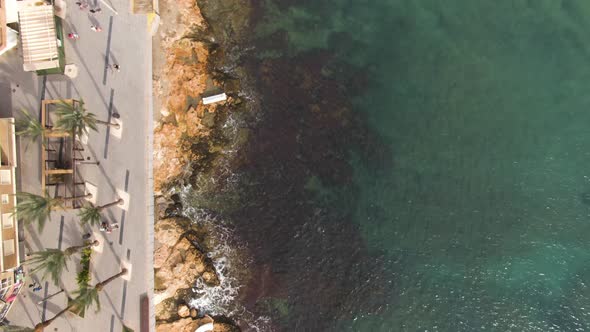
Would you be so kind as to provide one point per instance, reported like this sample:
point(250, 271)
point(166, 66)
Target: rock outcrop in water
point(178, 263)
point(178, 260)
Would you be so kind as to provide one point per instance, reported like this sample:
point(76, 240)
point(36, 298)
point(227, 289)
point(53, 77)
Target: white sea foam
point(224, 252)
point(224, 249)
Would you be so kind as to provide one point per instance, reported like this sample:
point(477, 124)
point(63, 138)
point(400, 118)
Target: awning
point(39, 40)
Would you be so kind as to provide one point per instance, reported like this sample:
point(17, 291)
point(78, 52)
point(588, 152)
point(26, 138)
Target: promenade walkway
point(125, 165)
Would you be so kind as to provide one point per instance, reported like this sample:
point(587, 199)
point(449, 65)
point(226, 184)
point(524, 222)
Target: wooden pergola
point(61, 153)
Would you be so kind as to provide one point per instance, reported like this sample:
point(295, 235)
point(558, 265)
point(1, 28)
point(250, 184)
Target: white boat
point(214, 99)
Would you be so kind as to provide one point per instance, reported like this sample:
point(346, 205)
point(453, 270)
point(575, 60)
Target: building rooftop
point(38, 35)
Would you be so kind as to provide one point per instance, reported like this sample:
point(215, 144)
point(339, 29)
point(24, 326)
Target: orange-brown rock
point(177, 266)
point(183, 311)
point(180, 60)
point(179, 80)
point(224, 327)
point(177, 262)
point(169, 232)
point(181, 325)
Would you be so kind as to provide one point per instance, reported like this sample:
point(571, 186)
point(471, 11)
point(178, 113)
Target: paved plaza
point(124, 169)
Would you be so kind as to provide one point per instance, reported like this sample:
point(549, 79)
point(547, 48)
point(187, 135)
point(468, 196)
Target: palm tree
point(90, 214)
point(89, 295)
point(31, 207)
point(54, 261)
point(73, 117)
point(85, 298)
point(39, 327)
point(30, 127)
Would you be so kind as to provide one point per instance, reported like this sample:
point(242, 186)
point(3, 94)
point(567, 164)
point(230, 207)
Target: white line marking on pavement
point(127, 265)
point(117, 132)
point(125, 196)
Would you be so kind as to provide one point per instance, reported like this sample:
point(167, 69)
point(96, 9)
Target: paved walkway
point(125, 163)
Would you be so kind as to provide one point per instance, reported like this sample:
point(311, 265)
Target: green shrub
point(83, 278)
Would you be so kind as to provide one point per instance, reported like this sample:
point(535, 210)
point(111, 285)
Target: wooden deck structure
point(60, 156)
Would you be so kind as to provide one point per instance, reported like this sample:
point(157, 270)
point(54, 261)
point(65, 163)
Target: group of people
point(35, 286)
point(74, 35)
point(104, 227)
point(84, 6)
point(108, 227)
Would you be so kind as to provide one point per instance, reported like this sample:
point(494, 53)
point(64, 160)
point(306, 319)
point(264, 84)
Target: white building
point(39, 43)
point(10, 274)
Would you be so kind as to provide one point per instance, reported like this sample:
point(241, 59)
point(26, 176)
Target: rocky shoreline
point(187, 146)
point(179, 72)
point(270, 171)
point(179, 260)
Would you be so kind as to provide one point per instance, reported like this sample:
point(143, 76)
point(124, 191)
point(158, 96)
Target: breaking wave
point(225, 252)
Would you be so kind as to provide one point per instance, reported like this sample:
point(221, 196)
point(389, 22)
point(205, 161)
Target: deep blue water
point(414, 166)
point(469, 190)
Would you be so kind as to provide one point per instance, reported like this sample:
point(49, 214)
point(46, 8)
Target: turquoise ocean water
point(482, 220)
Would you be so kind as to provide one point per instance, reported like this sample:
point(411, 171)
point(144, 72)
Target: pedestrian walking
point(115, 67)
point(38, 288)
point(73, 35)
point(86, 236)
point(82, 5)
point(95, 28)
point(111, 227)
point(95, 10)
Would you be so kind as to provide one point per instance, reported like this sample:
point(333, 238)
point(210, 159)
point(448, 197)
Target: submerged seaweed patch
point(290, 120)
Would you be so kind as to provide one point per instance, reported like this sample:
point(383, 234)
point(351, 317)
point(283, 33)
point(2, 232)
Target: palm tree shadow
point(101, 168)
point(6, 97)
point(31, 231)
point(72, 233)
point(111, 216)
point(106, 294)
point(26, 311)
point(49, 306)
